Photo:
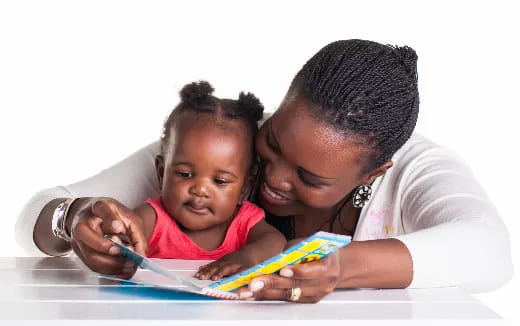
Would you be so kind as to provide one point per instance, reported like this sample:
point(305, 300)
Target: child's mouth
point(197, 208)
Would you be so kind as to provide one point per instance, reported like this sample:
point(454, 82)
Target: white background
point(83, 84)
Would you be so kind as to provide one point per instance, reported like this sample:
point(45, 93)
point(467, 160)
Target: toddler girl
point(205, 173)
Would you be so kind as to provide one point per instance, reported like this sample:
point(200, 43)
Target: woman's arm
point(131, 182)
point(452, 230)
point(453, 236)
point(382, 263)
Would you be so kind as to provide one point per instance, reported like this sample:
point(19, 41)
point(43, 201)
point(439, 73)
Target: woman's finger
point(137, 238)
point(112, 219)
point(93, 240)
point(266, 282)
point(275, 287)
point(118, 266)
point(94, 223)
point(100, 263)
point(280, 294)
point(284, 294)
point(118, 219)
point(308, 270)
point(116, 239)
point(270, 294)
point(128, 270)
point(316, 269)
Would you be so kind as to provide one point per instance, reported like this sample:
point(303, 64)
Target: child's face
point(204, 172)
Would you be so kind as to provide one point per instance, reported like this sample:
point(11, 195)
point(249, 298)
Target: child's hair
point(197, 98)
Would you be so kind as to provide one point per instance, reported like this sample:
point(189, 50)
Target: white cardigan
point(429, 200)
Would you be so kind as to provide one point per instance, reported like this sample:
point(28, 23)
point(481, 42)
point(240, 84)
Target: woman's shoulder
point(421, 157)
point(414, 146)
point(420, 150)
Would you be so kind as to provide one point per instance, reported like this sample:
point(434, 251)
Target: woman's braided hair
point(365, 90)
point(197, 98)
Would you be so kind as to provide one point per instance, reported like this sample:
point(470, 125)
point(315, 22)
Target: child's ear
point(159, 169)
point(246, 189)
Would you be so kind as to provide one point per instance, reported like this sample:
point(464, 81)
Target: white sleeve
point(452, 230)
point(130, 181)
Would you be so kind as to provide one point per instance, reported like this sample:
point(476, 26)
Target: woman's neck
point(320, 220)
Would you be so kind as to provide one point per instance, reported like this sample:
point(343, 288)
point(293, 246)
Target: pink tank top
point(168, 241)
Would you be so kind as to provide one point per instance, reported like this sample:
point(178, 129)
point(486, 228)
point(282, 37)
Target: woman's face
point(306, 163)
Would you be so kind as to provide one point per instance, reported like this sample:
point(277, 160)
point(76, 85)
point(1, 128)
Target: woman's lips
point(272, 196)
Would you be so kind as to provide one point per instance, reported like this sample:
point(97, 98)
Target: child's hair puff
point(197, 97)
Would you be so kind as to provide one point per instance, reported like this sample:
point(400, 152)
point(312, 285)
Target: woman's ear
point(377, 172)
point(159, 169)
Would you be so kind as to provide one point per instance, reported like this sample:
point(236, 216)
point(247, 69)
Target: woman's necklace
point(338, 216)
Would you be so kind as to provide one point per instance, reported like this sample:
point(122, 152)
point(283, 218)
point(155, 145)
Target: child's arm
point(263, 241)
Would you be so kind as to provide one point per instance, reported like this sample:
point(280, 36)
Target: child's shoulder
point(249, 214)
point(148, 217)
point(250, 208)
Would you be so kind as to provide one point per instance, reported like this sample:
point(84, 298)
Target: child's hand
point(230, 264)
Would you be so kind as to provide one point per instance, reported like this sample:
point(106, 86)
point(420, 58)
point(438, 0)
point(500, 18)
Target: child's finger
point(201, 267)
point(225, 270)
point(204, 268)
point(207, 272)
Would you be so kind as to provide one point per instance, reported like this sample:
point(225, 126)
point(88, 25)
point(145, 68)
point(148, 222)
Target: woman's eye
point(221, 182)
point(305, 181)
point(271, 146)
point(184, 174)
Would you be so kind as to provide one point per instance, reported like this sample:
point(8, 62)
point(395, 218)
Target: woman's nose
point(199, 189)
point(277, 176)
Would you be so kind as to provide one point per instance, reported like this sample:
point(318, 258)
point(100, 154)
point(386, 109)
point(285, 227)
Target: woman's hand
point(315, 280)
point(97, 217)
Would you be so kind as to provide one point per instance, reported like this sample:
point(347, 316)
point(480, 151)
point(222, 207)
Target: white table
point(53, 291)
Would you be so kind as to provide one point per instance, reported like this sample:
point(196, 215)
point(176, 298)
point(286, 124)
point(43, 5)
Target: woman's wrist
point(44, 236)
point(384, 263)
point(78, 205)
point(43, 233)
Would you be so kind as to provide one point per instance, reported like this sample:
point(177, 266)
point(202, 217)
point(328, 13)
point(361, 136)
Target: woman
point(342, 134)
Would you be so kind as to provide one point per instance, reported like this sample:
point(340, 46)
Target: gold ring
point(296, 293)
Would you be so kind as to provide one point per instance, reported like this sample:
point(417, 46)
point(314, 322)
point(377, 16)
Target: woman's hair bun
point(251, 105)
point(196, 92)
point(408, 58)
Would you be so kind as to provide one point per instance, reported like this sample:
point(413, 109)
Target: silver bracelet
point(59, 219)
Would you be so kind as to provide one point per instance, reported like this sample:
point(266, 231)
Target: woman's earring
point(361, 196)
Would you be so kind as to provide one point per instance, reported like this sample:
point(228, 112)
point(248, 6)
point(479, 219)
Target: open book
point(317, 246)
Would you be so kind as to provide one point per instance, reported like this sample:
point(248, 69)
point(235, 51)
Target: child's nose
point(199, 189)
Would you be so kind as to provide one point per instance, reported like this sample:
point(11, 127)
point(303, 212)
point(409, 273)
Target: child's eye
point(184, 174)
point(221, 182)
